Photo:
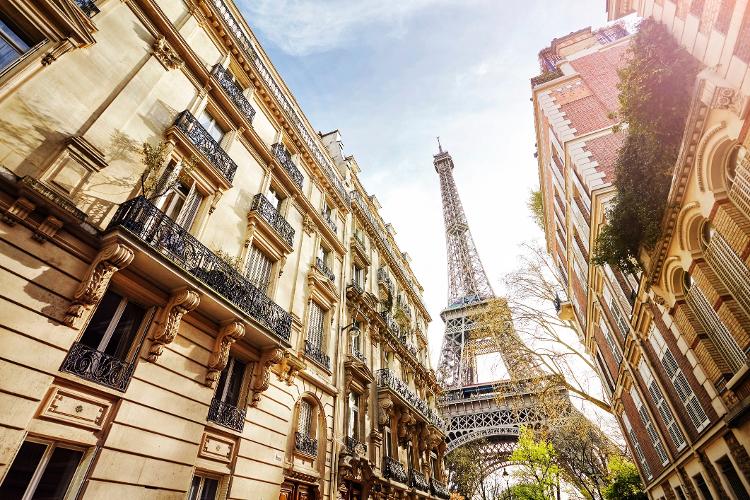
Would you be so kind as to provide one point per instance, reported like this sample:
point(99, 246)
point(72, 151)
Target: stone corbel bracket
point(180, 303)
point(112, 258)
point(288, 368)
point(228, 335)
point(263, 376)
point(385, 409)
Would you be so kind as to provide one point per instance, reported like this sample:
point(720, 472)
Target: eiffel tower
point(490, 411)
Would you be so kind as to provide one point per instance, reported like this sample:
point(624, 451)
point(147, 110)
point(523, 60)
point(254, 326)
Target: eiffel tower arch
point(490, 411)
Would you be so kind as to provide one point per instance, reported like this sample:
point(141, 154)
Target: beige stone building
point(671, 343)
point(226, 318)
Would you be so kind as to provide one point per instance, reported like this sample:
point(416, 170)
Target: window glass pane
point(235, 382)
point(20, 473)
point(13, 43)
point(210, 487)
point(101, 319)
point(195, 486)
point(125, 331)
point(57, 475)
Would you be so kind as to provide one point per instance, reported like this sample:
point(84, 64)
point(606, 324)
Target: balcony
point(418, 481)
point(358, 354)
point(384, 280)
point(323, 268)
point(316, 354)
point(170, 240)
point(226, 415)
point(206, 144)
point(88, 7)
point(355, 446)
point(387, 380)
point(393, 469)
point(439, 489)
point(268, 213)
point(96, 366)
point(328, 217)
point(234, 91)
point(355, 287)
point(403, 307)
point(287, 164)
point(305, 444)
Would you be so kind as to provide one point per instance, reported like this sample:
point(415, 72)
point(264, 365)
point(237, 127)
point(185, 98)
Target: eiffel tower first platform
point(491, 411)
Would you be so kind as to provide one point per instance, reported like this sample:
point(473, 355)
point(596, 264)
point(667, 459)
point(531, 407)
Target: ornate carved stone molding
point(47, 229)
point(308, 225)
point(18, 211)
point(111, 259)
point(166, 54)
point(289, 366)
point(385, 409)
point(227, 336)
point(263, 376)
point(180, 303)
point(731, 99)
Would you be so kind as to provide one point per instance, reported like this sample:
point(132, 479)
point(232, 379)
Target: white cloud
point(304, 27)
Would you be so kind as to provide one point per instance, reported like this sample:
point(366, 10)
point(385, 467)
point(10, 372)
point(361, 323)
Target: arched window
point(306, 434)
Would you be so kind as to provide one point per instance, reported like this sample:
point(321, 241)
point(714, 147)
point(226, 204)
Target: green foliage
point(536, 463)
point(523, 491)
point(625, 483)
point(465, 468)
point(536, 207)
point(654, 98)
point(153, 158)
point(233, 261)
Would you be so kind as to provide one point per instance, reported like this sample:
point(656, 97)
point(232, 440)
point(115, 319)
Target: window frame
point(203, 475)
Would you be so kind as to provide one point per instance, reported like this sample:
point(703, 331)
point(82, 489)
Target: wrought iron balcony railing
point(305, 444)
point(206, 144)
point(328, 217)
point(323, 268)
point(388, 380)
point(439, 489)
point(359, 290)
point(287, 164)
point(96, 366)
point(316, 354)
point(268, 212)
point(172, 241)
point(391, 325)
point(358, 354)
point(393, 469)
point(355, 446)
point(235, 91)
point(88, 7)
point(226, 415)
point(418, 481)
point(243, 41)
point(385, 280)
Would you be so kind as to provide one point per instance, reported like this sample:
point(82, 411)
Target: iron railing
point(287, 164)
point(385, 280)
point(268, 213)
point(305, 444)
point(235, 91)
point(328, 217)
point(316, 354)
point(356, 287)
point(439, 489)
point(88, 7)
point(99, 367)
point(388, 380)
point(418, 481)
point(358, 354)
point(206, 144)
point(323, 268)
point(226, 415)
point(393, 469)
point(355, 446)
point(161, 233)
point(398, 334)
point(404, 306)
point(295, 117)
point(358, 242)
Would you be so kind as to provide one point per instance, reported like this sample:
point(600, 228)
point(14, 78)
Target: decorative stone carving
point(308, 225)
point(18, 211)
point(77, 408)
point(262, 380)
point(289, 366)
point(729, 98)
point(181, 302)
point(166, 54)
point(112, 258)
point(216, 447)
point(228, 335)
point(385, 409)
point(405, 423)
point(47, 229)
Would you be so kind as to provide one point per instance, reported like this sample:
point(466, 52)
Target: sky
point(392, 75)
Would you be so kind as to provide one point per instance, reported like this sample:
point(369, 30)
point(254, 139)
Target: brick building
point(670, 343)
point(233, 319)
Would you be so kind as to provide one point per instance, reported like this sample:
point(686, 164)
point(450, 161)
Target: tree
point(625, 483)
point(536, 464)
point(468, 468)
point(155, 181)
point(536, 207)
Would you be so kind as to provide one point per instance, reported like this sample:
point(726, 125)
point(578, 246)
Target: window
point(229, 388)
point(315, 325)
point(326, 210)
point(605, 371)
point(387, 441)
point(14, 42)
point(356, 334)
point(114, 326)
point(732, 478)
point(203, 488)
point(658, 398)
point(323, 255)
point(274, 198)
point(353, 430)
point(258, 269)
point(359, 276)
point(180, 203)
point(700, 483)
point(304, 420)
point(679, 381)
point(649, 425)
point(636, 446)
point(680, 493)
point(212, 126)
point(41, 470)
point(611, 342)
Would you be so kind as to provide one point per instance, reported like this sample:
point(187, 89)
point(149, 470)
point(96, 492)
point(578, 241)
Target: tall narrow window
point(636, 446)
point(649, 425)
point(315, 326)
point(258, 269)
point(353, 430)
point(180, 203)
point(658, 398)
point(41, 470)
point(611, 342)
point(213, 128)
point(114, 325)
point(304, 419)
point(680, 493)
point(14, 41)
point(610, 386)
point(274, 198)
point(359, 276)
point(732, 478)
point(694, 409)
point(203, 488)
point(228, 406)
point(700, 483)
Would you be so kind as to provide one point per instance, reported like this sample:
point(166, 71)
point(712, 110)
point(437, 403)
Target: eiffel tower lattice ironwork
point(492, 411)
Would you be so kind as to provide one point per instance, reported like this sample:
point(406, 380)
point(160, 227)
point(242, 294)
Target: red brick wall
point(604, 151)
point(635, 422)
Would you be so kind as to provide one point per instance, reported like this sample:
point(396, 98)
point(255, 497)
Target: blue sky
point(391, 75)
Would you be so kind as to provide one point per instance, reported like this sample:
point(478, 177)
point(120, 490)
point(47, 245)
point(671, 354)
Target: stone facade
point(232, 318)
point(670, 343)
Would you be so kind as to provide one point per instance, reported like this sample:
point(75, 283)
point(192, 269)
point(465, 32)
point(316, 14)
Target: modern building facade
point(226, 316)
point(670, 344)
